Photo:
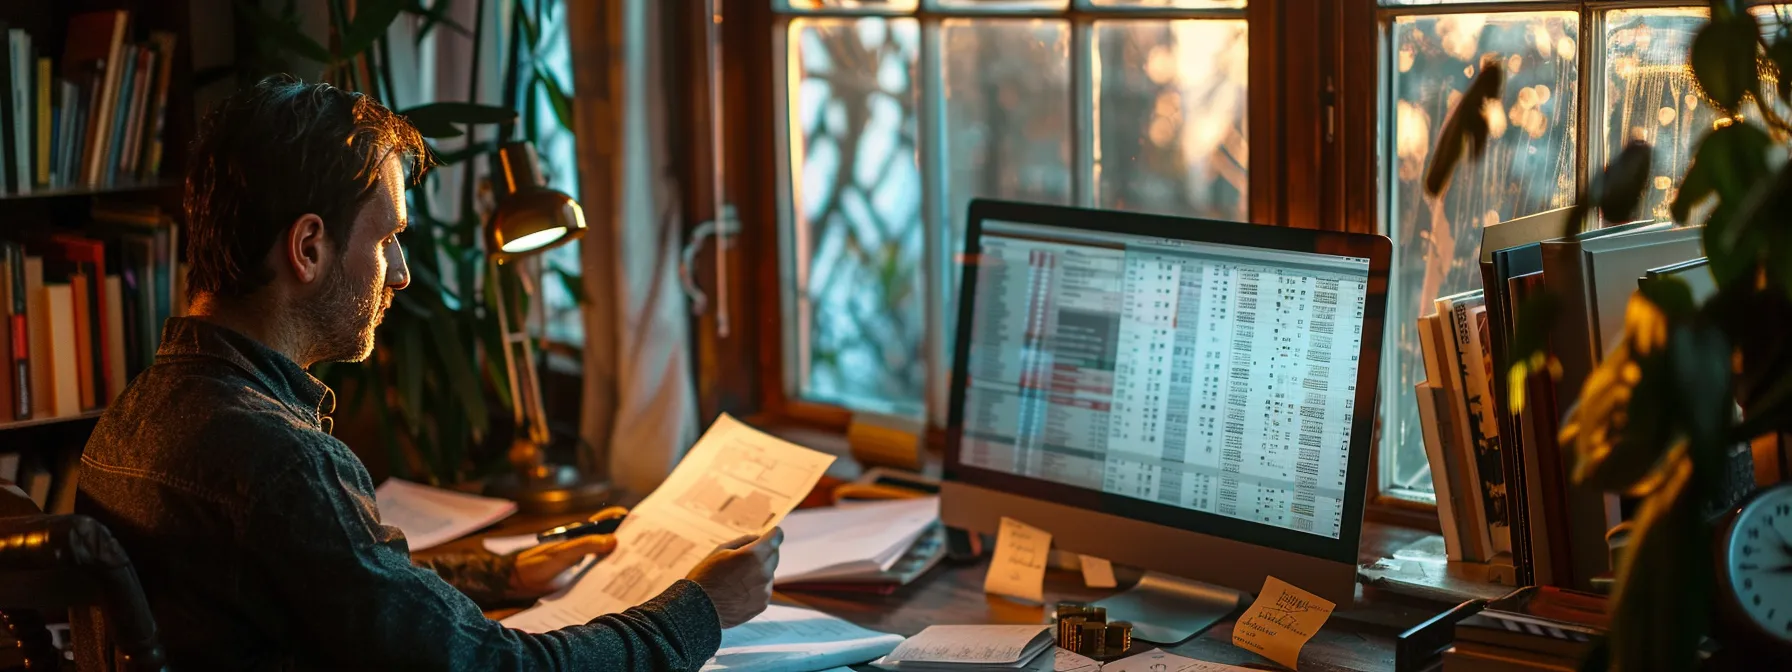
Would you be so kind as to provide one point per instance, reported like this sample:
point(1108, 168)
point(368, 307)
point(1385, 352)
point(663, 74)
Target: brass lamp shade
point(530, 218)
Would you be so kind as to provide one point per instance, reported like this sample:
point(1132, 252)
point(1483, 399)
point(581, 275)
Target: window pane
point(1183, 4)
point(847, 4)
point(1006, 131)
point(856, 205)
point(1170, 117)
point(1002, 4)
point(1394, 3)
point(1650, 95)
point(1528, 168)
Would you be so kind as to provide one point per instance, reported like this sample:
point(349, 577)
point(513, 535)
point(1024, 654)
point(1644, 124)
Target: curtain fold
point(639, 406)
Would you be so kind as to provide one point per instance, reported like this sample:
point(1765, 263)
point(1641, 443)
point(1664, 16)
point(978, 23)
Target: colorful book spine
point(43, 146)
point(23, 404)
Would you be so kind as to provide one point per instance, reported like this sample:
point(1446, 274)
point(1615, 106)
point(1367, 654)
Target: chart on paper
point(736, 481)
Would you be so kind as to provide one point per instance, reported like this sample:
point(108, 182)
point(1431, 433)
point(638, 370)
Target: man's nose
point(398, 273)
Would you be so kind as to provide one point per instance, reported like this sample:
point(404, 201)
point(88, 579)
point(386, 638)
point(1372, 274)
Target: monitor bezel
point(1377, 249)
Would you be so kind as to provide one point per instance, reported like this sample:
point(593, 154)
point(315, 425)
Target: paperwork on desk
point(736, 481)
point(1157, 660)
point(1017, 569)
point(793, 639)
point(954, 648)
point(851, 541)
point(1281, 621)
point(510, 544)
point(433, 516)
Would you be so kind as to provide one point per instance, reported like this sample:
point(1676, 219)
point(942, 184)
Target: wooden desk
point(1359, 637)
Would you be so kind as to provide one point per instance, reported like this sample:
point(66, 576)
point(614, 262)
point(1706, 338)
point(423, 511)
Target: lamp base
point(562, 490)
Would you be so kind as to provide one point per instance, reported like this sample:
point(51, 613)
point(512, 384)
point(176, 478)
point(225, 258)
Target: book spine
point(8, 138)
point(1485, 448)
point(36, 322)
point(1434, 454)
point(83, 341)
point(153, 163)
point(43, 122)
point(106, 104)
point(61, 338)
point(21, 336)
point(139, 104)
point(120, 118)
point(1451, 356)
point(22, 112)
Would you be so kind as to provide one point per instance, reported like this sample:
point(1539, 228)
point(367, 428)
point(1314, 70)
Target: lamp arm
point(525, 388)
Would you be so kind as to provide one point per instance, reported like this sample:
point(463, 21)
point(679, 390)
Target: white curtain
point(639, 411)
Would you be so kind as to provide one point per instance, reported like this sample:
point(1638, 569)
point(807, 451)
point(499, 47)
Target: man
point(254, 531)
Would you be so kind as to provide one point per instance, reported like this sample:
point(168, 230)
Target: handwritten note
point(972, 644)
point(1098, 572)
point(1157, 660)
point(1065, 660)
point(1281, 621)
point(1018, 567)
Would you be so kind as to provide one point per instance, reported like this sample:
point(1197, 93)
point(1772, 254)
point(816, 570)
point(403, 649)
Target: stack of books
point(1503, 483)
point(82, 315)
point(96, 118)
point(1534, 628)
point(860, 547)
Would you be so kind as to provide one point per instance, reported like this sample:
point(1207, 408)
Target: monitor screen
point(1196, 375)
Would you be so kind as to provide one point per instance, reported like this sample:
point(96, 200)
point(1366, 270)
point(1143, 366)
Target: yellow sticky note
point(1098, 572)
point(1018, 567)
point(1281, 621)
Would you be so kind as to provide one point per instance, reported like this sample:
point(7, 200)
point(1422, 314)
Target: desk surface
point(1359, 637)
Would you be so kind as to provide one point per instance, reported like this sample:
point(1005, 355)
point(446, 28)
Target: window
point(1622, 65)
point(894, 115)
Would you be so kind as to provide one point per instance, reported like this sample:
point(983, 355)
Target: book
point(23, 114)
point(86, 365)
point(164, 41)
point(1540, 620)
point(68, 118)
point(1440, 472)
point(9, 381)
point(9, 173)
point(36, 319)
point(1467, 658)
point(115, 338)
point(17, 310)
point(63, 485)
point(42, 145)
point(87, 257)
point(118, 123)
point(35, 480)
point(91, 56)
point(58, 334)
point(9, 467)
point(1463, 491)
point(133, 136)
point(1460, 354)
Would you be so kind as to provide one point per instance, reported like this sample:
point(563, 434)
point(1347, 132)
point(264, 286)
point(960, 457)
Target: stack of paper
point(736, 481)
point(433, 516)
point(955, 648)
point(792, 639)
point(854, 542)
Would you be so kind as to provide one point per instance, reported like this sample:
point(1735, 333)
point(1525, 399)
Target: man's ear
point(306, 249)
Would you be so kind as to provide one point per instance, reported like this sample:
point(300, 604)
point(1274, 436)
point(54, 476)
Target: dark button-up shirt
point(255, 536)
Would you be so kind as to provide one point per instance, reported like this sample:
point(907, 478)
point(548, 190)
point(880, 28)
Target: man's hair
point(273, 153)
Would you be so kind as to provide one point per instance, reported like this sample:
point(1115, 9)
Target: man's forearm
point(482, 575)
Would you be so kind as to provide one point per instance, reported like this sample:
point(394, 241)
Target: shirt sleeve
point(355, 599)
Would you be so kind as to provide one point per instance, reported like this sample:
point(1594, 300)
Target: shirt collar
point(284, 378)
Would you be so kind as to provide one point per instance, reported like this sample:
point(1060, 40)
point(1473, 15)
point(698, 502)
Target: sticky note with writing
point(1018, 567)
point(1281, 621)
point(1098, 572)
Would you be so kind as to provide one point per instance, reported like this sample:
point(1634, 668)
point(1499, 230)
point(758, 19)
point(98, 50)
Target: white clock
point(1755, 568)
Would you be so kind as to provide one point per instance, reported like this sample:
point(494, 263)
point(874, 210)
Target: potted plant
point(1657, 417)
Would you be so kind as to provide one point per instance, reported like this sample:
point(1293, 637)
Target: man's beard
point(342, 317)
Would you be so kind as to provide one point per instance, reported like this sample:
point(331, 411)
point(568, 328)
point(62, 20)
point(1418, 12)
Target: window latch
point(687, 276)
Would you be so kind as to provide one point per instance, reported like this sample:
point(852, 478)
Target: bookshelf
point(99, 213)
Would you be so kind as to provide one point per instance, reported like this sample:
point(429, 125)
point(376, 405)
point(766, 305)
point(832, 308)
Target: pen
point(579, 529)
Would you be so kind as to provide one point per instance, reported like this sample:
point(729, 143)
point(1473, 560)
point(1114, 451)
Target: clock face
point(1758, 562)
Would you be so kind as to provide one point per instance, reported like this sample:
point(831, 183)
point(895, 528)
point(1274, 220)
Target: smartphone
point(579, 529)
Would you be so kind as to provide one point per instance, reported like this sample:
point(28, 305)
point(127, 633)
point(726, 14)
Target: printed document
point(433, 516)
point(1157, 660)
point(851, 540)
point(793, 639)
point(736, 481)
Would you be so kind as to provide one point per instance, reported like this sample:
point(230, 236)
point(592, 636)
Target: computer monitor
point(1191, 397)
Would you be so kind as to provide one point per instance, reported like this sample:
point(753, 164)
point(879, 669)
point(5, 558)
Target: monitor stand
point(1165, 609)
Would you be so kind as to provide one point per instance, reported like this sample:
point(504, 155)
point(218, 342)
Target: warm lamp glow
point(534, 240)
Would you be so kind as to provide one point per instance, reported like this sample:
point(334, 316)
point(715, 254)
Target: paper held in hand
point(736, 481)
point(1281, 621)
point(1018, 567)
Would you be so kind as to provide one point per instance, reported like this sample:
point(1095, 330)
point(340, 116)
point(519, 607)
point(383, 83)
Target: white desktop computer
point(1189, 397)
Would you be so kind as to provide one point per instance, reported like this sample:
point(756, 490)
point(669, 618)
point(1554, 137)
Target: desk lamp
point(530, 219)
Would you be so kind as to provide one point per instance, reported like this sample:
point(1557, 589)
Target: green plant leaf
point(1700, 356)
point(372, 19)
point(557, 97)
point(437, 14)
point(1723, 59)
point(1621, 424)
point(1619, 188)
point(284, 35)
point(459, 372)
point(1664, 582)
point(574, 283)
point(1466, 127)
point(1780, 52)
point(1673, 297)
point(472, 150)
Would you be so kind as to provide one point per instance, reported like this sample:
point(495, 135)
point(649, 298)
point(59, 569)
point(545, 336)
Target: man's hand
point(537, 566)
point(738, 576)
